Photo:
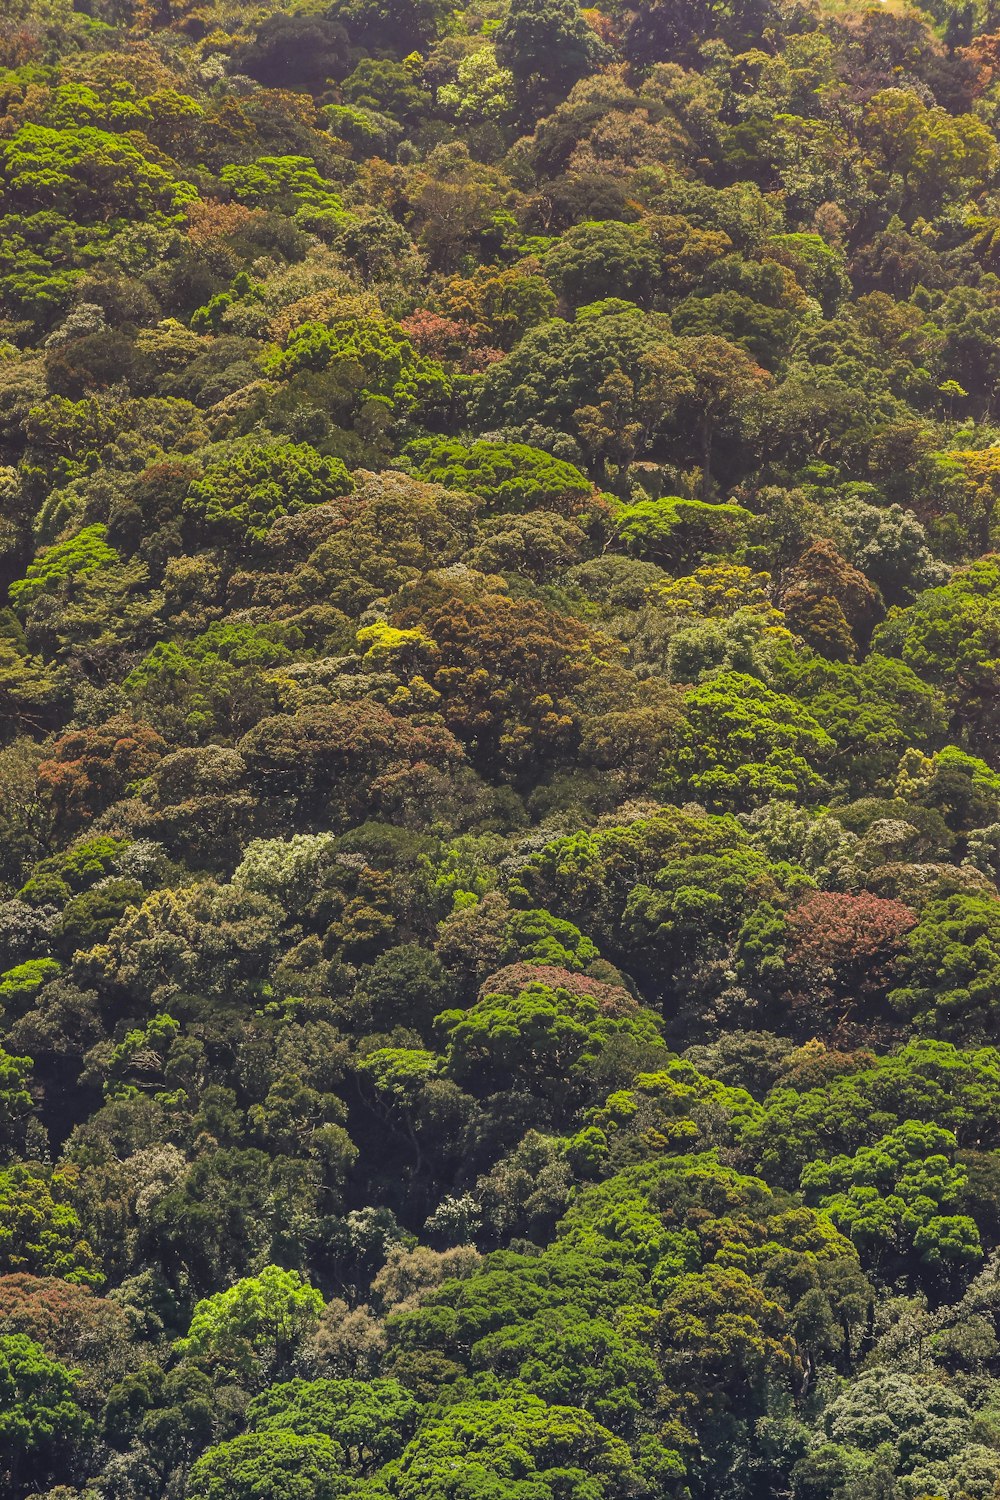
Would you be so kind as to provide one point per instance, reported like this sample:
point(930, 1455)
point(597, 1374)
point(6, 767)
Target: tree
point(39, 1413)
point(558, 368)
point(506, 670)
point(235, 1208)
point(404, 986)
point(262, 1317)
point(688, 913)
point(500, 303)
point(765, 332)
point(568, 1356)
point(671, 1219)
point(949, 968)
point(873, 712)
point(556, 1449)
point(861, 1096)
point(69, 873)
point(30, 694)
point(403, 28)
point(923, 155)
point(548, 46)
point(945, 636)
point(889, 545)
point(828, 602)
point(295, 52)
point(507, 477)
point(265, 1465)
point(609, 259)
point(63, 565)
point(388, 88)
point(20, 986)
point(40, 1231)
point(725, 384)
point(385, 376)
point(219, 685)
point(371, 1420)
point(243, 494)
point(741, 743)
point(85, 173)
point(675, 531)
point(88, 769)
point(589, 876)
point(293, 184)
point(15, 1097)
point(896, 1201)
point(724, 1337)
point(482, 89)
point(666, 32)
point(69, 1321)
point(335, 761)
point(546, 1039)
point(841, 951)
point(890, 1423)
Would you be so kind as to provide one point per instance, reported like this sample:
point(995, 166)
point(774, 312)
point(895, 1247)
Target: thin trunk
point(706, 458)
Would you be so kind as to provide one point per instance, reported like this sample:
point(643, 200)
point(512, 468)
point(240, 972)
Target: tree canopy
point(499, 750)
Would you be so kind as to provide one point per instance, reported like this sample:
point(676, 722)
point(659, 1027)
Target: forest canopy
point(500, 750)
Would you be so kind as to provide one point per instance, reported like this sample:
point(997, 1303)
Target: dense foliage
point(499, 750)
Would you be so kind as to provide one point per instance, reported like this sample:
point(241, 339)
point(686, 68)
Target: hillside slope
point(499, 750)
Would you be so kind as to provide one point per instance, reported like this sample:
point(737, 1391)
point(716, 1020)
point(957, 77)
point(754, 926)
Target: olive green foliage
point(499, 750)
point(244, 492)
